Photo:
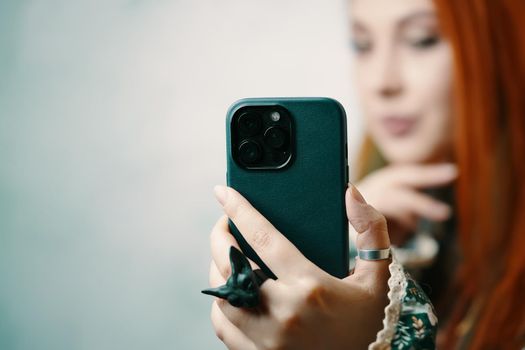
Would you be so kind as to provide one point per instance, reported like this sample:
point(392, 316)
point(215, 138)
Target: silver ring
point(374, 254)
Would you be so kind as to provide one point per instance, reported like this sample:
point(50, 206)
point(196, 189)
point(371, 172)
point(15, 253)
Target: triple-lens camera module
point(262, 137)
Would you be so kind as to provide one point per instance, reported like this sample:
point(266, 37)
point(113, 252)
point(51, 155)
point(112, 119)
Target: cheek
point(361, 82)
point(429, 85)
point(368, 96)
point(429, 89)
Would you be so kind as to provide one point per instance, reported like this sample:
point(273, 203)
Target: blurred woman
point(404, 75)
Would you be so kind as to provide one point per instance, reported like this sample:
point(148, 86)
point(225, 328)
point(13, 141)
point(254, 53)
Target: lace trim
point(397, 288)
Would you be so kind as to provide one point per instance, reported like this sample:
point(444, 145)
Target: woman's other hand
point(395, 191)
point(305, 308)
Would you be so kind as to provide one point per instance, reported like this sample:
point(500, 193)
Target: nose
point(386, 71)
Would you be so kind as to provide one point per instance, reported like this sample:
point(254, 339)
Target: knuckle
point(261, 238)
point(235, 209)
point(369, 211)
point(314, 292)
point(378, 222)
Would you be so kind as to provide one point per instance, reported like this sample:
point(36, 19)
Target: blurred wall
point(111, 139)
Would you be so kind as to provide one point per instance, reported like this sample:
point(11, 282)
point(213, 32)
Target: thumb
point(372, 233)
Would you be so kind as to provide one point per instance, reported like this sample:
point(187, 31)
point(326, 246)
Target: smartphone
point(288, 158)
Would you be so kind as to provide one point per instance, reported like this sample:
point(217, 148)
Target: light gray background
point(111, 139)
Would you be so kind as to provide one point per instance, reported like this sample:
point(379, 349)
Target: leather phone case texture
point(305, 200)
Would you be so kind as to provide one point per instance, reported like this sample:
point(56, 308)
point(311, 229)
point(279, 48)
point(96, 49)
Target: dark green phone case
point(305, 200)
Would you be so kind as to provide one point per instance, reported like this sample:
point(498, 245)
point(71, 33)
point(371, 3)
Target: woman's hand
point(395, 192)
point(305, 308)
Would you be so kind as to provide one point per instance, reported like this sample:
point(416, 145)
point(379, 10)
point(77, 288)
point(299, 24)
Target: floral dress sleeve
point(410, 321)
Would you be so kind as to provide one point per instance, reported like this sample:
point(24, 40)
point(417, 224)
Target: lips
point(398, 125)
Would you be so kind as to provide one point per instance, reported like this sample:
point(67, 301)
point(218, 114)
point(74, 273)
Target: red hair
point(489, 53)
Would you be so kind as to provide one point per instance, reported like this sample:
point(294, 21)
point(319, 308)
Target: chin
point(407, 154)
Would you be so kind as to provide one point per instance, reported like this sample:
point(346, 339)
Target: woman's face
point(404, 70)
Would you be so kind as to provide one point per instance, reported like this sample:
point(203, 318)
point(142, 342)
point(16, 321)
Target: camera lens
point(250, 123)
point(275, 137)
point(249, 152)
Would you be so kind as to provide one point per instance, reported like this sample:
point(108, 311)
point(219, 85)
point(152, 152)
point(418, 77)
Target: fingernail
point(356, 195)
point(443, 211)
point(221, 193)
point(451, 170)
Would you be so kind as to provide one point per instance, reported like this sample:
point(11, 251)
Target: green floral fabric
point(417, 325)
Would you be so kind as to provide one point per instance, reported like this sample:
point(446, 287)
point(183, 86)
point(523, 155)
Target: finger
point(281, 256)
point(241, 318)
point(230, 335)
point(425, 176)
point(372, 233)
point(215, 277)
point(221, 240)
point(423, 205)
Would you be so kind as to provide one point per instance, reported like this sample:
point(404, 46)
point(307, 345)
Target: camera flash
point(275, 116)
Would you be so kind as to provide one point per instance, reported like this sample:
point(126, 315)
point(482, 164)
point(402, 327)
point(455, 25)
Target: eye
point(424, 42)
point(361, 46)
